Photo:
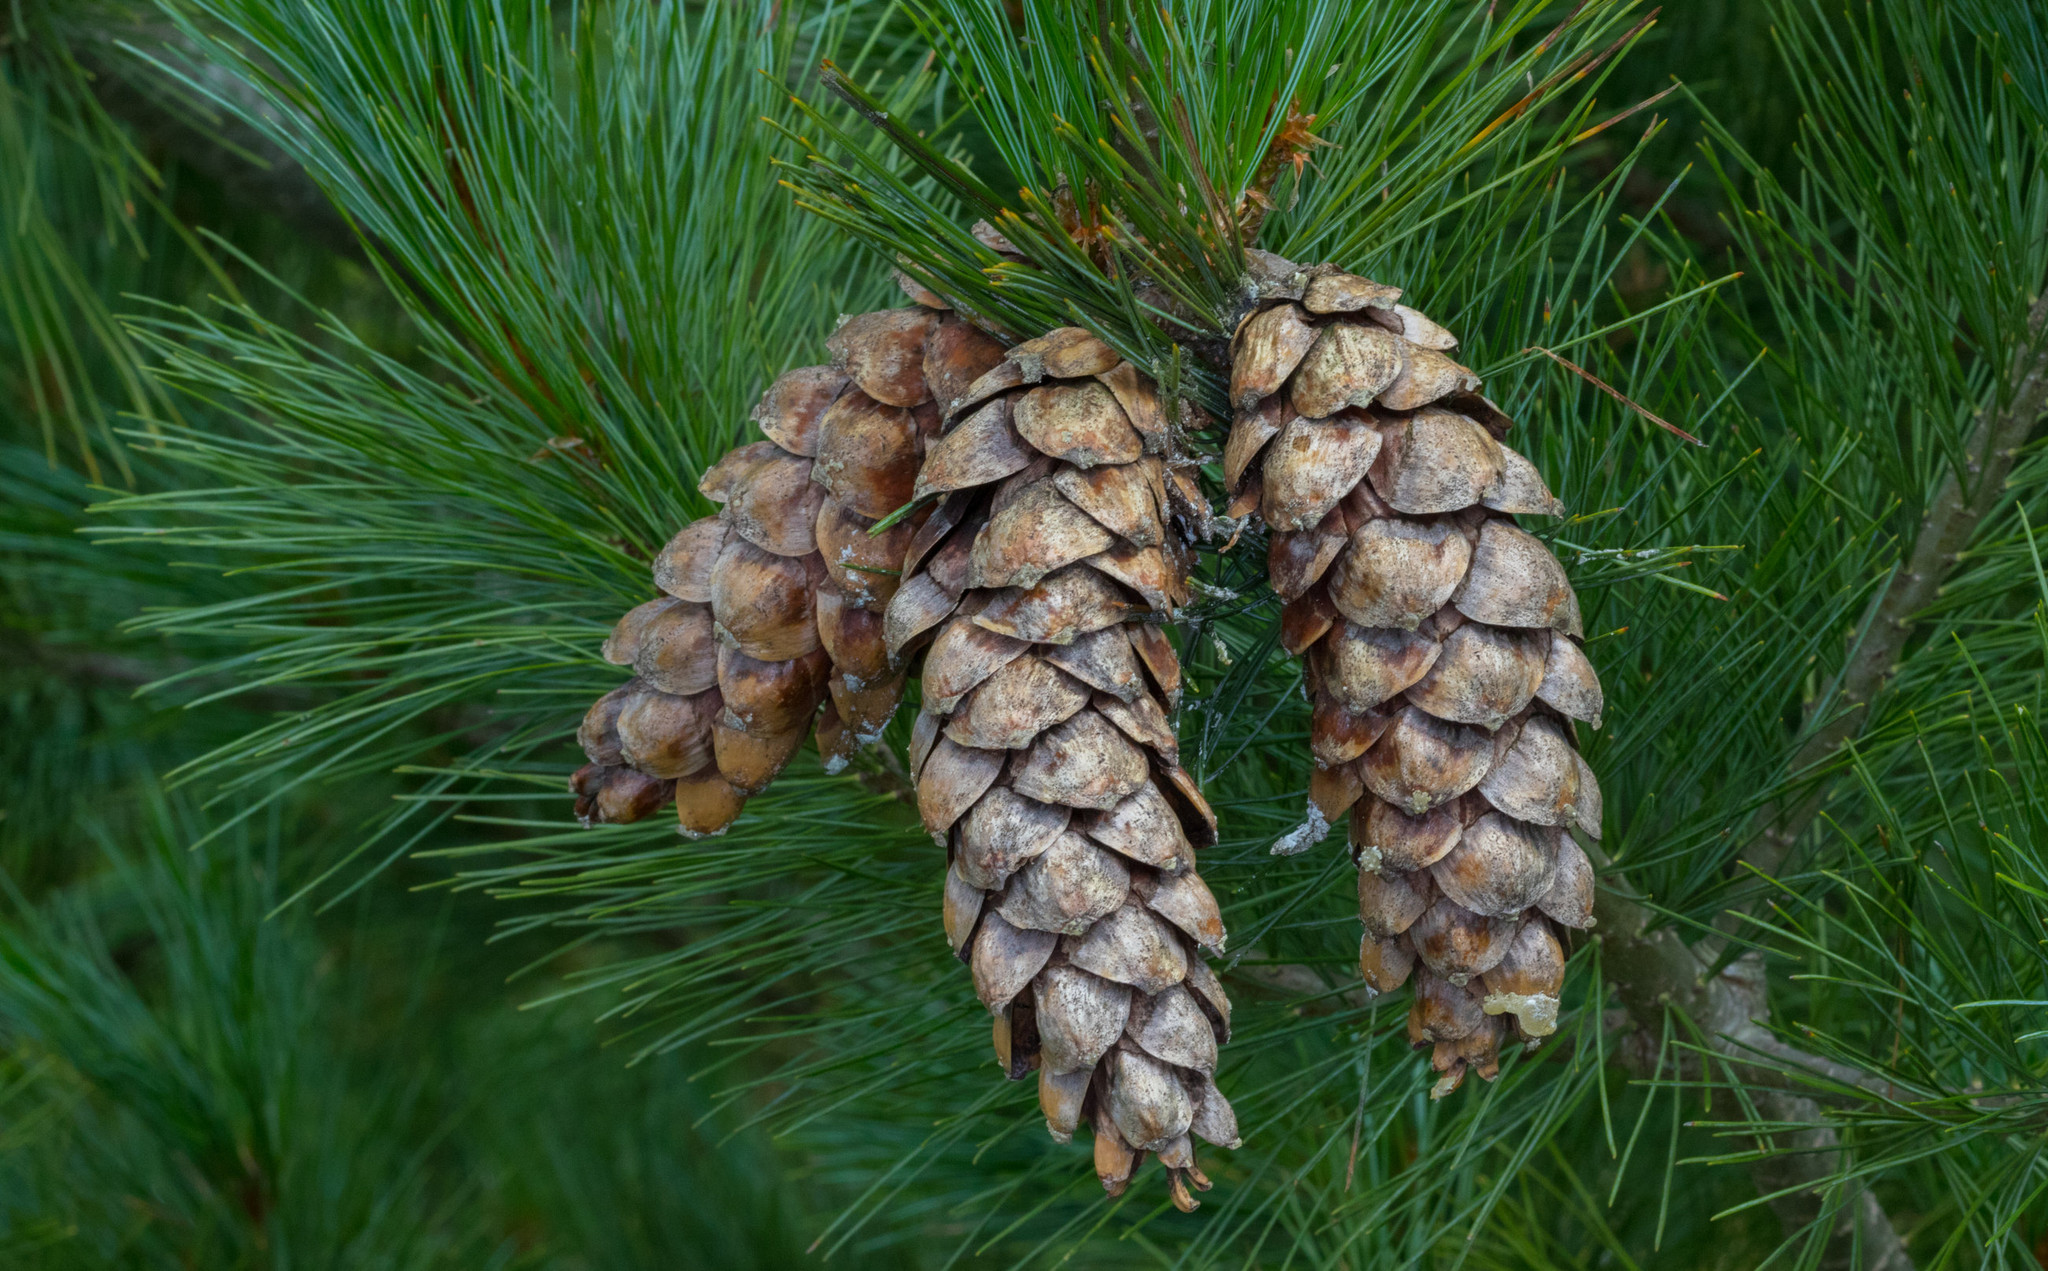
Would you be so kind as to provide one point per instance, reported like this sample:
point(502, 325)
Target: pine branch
point(1870, 284)
point(1859, 1237)
point(1964, 499)
point(1654, 970)
point(1655, 967)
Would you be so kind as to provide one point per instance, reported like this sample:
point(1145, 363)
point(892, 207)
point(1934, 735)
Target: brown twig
point(1615, 393)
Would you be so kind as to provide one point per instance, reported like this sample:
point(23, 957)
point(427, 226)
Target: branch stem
point(1653, 968)
point(1963, 500)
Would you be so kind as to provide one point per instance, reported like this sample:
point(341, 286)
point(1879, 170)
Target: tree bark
point(1859, 1236)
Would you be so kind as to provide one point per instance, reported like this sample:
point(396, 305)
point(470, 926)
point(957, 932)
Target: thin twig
point(1615, 393)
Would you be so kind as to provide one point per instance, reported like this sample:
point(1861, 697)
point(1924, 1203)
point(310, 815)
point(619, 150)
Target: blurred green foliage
point(193, 1073)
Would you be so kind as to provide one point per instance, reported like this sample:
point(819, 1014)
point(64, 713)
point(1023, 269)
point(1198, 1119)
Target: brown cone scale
point(1046, 757)
point(772, 610)
point(1443, 643)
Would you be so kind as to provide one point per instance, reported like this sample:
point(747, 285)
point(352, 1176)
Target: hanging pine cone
point(774, 606)
point(1442, 645)
point(1045, 756)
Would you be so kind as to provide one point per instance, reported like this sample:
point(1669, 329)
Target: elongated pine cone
point(1045, 756)
point(1443, 653)
point(773, 607)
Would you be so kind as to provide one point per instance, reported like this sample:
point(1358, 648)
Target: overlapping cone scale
point(1442, 643)
point(1045, 756)
point(768, 627)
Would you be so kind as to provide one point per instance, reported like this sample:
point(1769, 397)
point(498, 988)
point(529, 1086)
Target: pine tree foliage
point(1350, 123)
point(560, 370)
point(91, 221)
point(191, 1080)
point(1922, 364)
point(597, 273)
point(1913, 982)
point(191, 1077)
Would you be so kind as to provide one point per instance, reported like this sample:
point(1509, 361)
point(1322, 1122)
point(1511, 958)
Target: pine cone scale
point(982, 450)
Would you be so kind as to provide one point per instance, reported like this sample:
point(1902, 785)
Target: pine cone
point(1443, 652)
point(1045, 756)
point(774, 606)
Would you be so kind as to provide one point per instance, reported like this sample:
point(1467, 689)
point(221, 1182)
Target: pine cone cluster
point(1010, 525)
point(1442, 649)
